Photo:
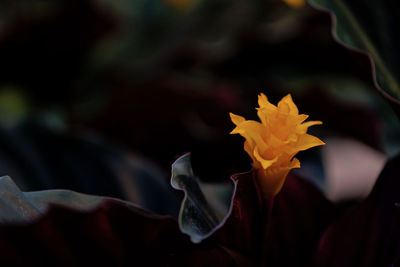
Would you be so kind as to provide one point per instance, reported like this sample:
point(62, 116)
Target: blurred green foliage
point(159, 77)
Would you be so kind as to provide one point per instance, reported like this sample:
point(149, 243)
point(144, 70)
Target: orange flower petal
point(287, 100)
point(265, 163)
point(308, 141)
point(304, 126)
point(236, 119)
point(273, 143)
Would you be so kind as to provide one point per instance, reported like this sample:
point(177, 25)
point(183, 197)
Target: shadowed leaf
point(39, 156)
point(17, 206)
point(370, 26)
point(65, 228)
point(369, 234)
point(280, 231)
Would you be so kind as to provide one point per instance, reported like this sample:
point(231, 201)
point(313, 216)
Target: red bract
point(282, 231)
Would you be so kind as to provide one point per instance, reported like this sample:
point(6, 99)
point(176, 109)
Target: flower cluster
point(273, 143)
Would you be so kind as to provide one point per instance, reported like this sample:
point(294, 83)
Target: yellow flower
point(295, 3)
point(273, 143)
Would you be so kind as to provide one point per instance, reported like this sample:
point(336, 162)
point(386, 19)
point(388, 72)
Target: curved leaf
point(18, 206)
point(39, 156)
point(65, 228)
point(370, 26)
point(205, 207)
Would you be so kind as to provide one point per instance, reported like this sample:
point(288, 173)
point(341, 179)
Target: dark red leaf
point(369, 235)
point(299, 216)
point(110, 235)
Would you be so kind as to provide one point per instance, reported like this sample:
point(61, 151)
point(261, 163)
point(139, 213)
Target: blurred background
point(101, 96)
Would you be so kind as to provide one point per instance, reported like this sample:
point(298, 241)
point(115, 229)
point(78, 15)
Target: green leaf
point(370, 26)
point(205, 207)
point(40, 155)
point(17, 206)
